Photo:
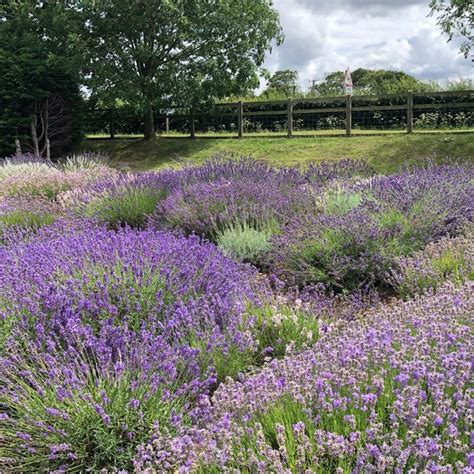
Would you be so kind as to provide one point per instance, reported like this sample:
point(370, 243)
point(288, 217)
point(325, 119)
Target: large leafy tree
point(40, 101)
point(368, 81)
point(456, 18)
point(162, 53)
point(283, 83)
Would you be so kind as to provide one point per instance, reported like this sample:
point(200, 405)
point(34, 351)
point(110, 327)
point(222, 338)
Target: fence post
point(112, 126)
point(167, 124)
point(290, 118)
point(348, 115)
point(192, 126)
point(410, 112)
point(240, 119)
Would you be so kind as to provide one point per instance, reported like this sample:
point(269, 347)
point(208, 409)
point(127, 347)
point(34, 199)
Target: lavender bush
point(225, 193)
point(104, 334)
point(389, 393)
point(448, 259)
point(340, 170)
point(87, 160)
point(23, 165)
point(26, 213)
point(352, 237)
point(125, 347)
point(120, 199)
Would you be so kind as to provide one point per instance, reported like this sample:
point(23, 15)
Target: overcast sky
point(322, 36)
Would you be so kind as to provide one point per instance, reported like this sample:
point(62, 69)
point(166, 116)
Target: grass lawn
point(385, 152)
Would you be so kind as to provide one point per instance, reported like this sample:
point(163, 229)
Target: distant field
point(385, 152)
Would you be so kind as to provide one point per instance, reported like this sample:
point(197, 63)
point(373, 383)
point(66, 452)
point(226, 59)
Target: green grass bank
point(385, 152)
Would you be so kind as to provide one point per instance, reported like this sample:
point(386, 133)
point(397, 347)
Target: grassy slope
point(386, 153)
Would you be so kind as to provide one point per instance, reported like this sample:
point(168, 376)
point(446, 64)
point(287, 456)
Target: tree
point(283, 83)
point(40, 101)
point(456, 18)
point(367, 81)
point(152, 53)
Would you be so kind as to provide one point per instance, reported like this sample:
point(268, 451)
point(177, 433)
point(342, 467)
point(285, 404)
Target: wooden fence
point(406, 108)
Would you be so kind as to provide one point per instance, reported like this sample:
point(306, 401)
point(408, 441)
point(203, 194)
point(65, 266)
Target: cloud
point(323, 36)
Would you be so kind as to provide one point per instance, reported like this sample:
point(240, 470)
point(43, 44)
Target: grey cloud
point(323, 36)
point(374, 7)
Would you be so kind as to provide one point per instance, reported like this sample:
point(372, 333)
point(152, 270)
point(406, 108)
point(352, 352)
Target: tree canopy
point(368, 81)
point(156, 53)
point(148, 54)
point(456, 18)
point(40, 103)
point(282, 83)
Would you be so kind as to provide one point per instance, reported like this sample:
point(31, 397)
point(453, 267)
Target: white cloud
point(324, 36)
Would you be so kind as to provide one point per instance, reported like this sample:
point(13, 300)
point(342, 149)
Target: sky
point(322, 36)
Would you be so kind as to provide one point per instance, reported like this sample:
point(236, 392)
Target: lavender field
point(236, 317)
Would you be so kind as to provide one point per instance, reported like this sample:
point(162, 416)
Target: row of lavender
point(128, 300)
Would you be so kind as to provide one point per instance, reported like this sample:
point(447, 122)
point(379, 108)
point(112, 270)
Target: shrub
point(99, 340)
point(67, 411)
point(327, 171)
point(19, 168)
point(437, 199)
point(341, 202)
point(283, 327)
point(244, 243)
point(352, 238)
point(46, 185)
point(129, 207)
point(119, 199)
point(388, 393)
point(25, 219)
point(227, 193)
point(24, 213)
point(342, 252)
point(88, 160)
point(448, 259)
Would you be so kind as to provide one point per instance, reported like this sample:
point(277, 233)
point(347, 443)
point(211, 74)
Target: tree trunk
point(34, 136)
point(149, 123)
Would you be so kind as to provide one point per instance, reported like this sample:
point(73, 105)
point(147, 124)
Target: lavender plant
point(340, 170)
point(226, 193)
point(448, 259)
point(353, 236)
point(389, 393)
point(26, 213)
point(120, 199)
point(99, 334)
point(87, 160)
point(244, 243)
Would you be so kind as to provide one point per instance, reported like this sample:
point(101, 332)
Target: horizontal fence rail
point(397, 112)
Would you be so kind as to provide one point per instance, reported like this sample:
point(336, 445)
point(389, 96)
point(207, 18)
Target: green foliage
point(282, 84)
point(245, 243)
point(29, 219)
point(456, 19)
point(130, 207)
point(100, 439)
point(39, 80)
point(228, 361)
point(449, 259)
point(283, 326)
point(367, 81)
point(316, 256)
point(279, 327)
point(445, 120)
point(150, 53)
point(340, 203)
